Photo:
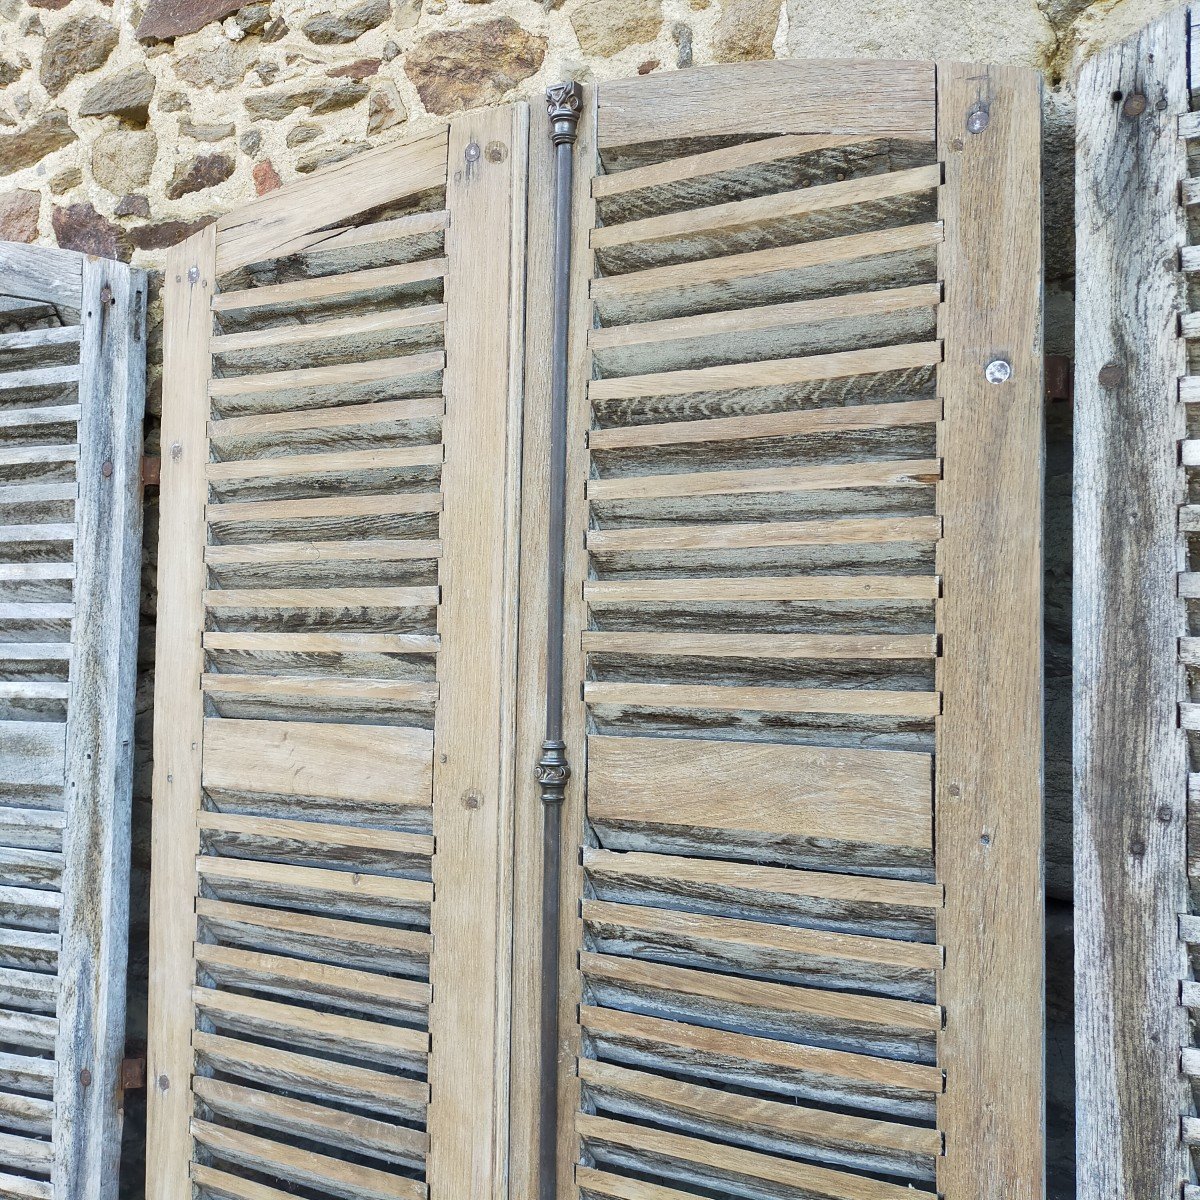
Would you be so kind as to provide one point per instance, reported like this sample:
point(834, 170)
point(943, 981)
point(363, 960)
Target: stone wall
point(125, 124)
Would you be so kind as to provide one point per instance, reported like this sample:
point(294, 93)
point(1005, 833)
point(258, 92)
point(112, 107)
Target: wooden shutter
point(72, 393)
point(803, 914)
point(333, 746)
point(1136, 657)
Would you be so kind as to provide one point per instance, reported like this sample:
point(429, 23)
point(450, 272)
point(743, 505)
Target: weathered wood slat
point(764, 645)
point(390, 321)
point(862, 701)
point(345, 416)
point(42, 273)
point(762, 589)
point(727, 536)
point(769, 373)
point(769, 425)
point(912, 473)
point(331, 286)
point(348, 375)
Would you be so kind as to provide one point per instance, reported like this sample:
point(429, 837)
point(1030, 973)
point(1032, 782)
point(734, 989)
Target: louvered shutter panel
point(332, 730)
point(803, 896)
point(72, 394)
point(1136, 658)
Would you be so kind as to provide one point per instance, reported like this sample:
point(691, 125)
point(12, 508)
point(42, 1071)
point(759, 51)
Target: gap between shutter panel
point(72, 389)
point(333, 772)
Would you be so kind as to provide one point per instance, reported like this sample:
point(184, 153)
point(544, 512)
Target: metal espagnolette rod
point(564, 102)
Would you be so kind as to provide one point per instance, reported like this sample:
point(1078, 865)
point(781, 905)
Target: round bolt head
point(977, 120)
point(997, 371)
point(1134, 105)
point(193, 274)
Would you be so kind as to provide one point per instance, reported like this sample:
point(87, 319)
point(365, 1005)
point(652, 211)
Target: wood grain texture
point(41, 273)
point(1130, 755)
point(99, 736)
point(989, 746)
point(282, 222)
point(818, 96)
point(179, 712)
point(473, 779)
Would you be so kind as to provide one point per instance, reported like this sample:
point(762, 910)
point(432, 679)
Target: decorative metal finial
point(552, 772)
point(564, 102)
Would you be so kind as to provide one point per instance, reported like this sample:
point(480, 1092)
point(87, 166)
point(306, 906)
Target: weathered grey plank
point(99, 735)
point(41, 273)
point(1130, 756)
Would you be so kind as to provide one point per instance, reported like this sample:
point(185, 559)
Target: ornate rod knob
point(564, 102)
point(552, 772)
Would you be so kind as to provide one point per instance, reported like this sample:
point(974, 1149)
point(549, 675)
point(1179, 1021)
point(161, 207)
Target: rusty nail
point(133, 1073)
point(1112, 375)
point(106, 469)
point(85, 1078)
point(163, 1083)
point(1135, 105)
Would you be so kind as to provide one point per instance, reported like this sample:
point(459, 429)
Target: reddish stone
point(363, 68)
point(48, 3)
point(19, 215)
point(172, 18)
point(80, 227)
point(266, 178)
point(651, 64)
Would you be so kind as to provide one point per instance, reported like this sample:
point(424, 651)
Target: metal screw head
point(977, 120)
point(473, 152)
point(193, 274)
point(999, 370)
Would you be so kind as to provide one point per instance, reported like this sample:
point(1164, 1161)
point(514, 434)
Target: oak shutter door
point(1136, 655)
point(72, 394)
point(333, 747)
point(803, 909)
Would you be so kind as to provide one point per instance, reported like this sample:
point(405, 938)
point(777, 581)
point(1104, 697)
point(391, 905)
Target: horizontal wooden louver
point(803, 892)
point(333, 753)
point(1135, 617)
point(72, 393)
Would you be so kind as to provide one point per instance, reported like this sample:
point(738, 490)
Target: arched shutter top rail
point(829, 96)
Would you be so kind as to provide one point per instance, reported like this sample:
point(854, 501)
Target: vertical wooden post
point(178, 711)
point(1130, 754)
point(988, 791)
point(99, 739)
point(473, 781)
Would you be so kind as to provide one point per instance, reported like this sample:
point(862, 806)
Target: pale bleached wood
point(817, 96)
point(283, 222)
point(767, 316)
point(719, 536)
point(823, 252)
point(41, 273)
point(346, 462)
point(37, 339)
point(784, 424)
point(324, 643)
point(751, 877)
point(726, 698)
point(273, 828)
point(316, 598)
point(287, 1069)
point(250, 511)
point(989, 744)
point(764, 645)
point(351, 762)
point(99, 732)
point(278, 553)
point(779, 1175)
point(712, 162)
point(390, 321)
point(738, 214)
point(473, 781)
point(345, 417)
point(378, 370)
point(283, 1161)
point(769, 373)
point(762, 589)
point(58, 414)
point(179, 712)
point(328, 287)
point(815, 791)
point(39, 377)
point(1131, 758)
point(320, 688)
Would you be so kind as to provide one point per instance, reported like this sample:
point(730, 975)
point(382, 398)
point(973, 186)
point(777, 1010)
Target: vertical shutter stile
point(780, 281)
point(72, 392)
point(329, 956)
point(1134, 618)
